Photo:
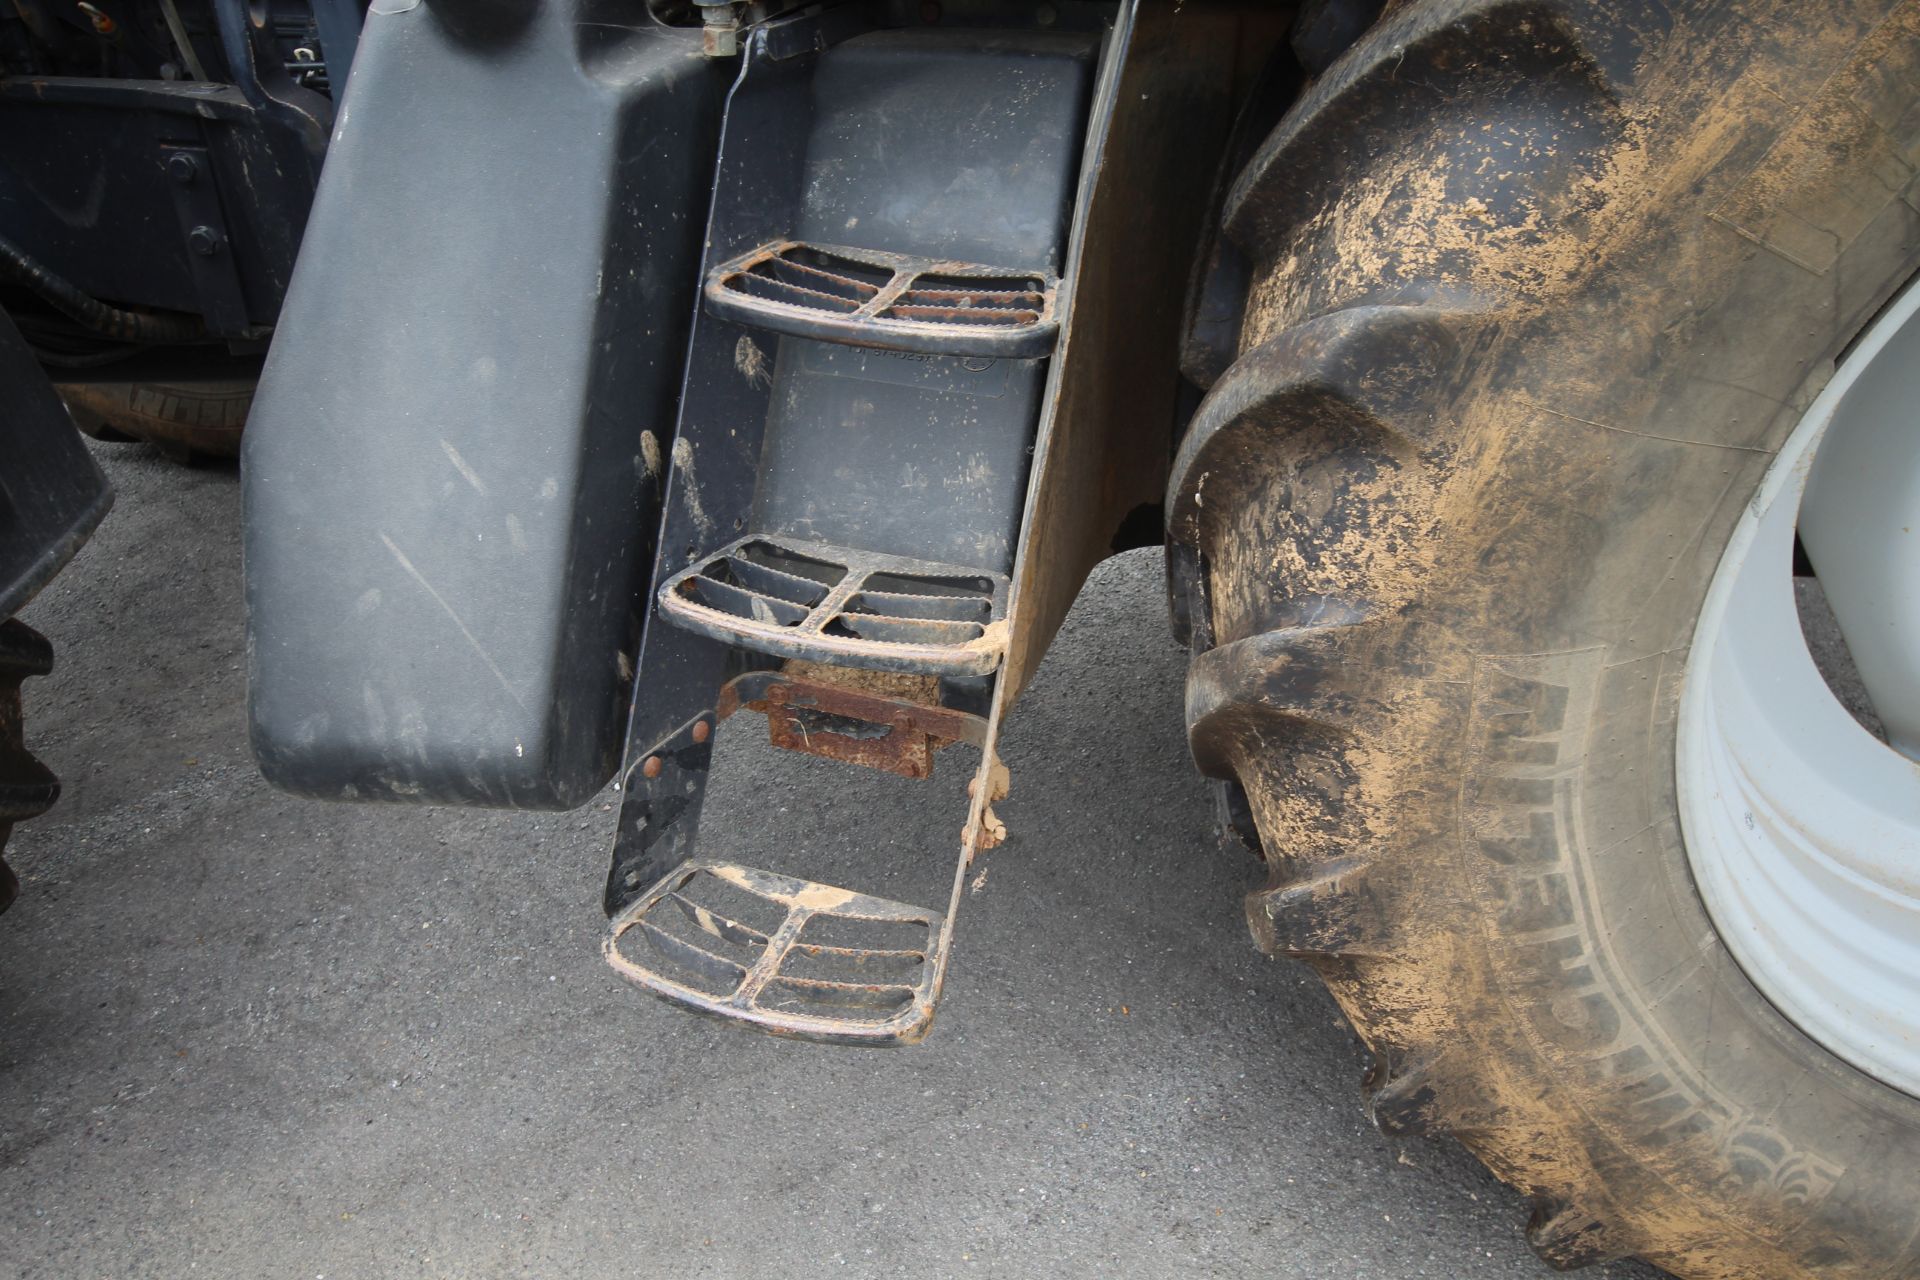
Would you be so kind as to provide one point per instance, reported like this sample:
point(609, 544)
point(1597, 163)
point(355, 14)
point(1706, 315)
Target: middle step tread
point(795, 599)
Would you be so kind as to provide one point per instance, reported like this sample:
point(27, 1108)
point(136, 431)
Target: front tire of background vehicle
point(1538, 290)
point(187, 421)
point(27, 788)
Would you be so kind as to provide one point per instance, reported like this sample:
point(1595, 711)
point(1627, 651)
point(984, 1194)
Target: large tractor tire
point(1539, 288)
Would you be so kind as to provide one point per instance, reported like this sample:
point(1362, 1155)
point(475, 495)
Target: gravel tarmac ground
point(245, 1034)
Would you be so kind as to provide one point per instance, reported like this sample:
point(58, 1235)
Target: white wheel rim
point(1802, 828)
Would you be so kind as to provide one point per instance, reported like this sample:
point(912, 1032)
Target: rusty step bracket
point(890, 722)
point(793, 957)
point(871, 298)
point(806, 600)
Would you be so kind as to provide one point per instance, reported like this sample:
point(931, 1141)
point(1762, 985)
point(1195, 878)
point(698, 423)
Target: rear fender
point(452, 467)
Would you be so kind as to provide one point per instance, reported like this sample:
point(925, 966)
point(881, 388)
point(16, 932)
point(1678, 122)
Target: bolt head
point(182, 168)
point(204, 241)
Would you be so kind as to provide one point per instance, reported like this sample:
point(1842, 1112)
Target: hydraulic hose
point(20, 267)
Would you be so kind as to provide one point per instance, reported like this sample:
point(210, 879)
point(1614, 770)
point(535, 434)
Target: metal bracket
point(203, 229)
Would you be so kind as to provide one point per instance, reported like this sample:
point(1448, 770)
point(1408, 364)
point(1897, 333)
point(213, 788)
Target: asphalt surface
point(243, 1034)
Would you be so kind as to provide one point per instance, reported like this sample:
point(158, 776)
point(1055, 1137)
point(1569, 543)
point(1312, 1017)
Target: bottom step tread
point(787, 956)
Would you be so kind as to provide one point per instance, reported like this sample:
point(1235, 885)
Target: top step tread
point(895, 301)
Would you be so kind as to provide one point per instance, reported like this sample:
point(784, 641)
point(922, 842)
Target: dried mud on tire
point(1537, 291)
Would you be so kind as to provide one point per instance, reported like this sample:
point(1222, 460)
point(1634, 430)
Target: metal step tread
point(847, 607)
point(869, 298)
point(783, 954)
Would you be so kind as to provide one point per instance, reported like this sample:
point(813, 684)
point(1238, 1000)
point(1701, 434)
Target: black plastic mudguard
point(453, 464)
point(51, 493)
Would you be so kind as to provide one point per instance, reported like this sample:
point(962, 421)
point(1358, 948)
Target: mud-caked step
point(784, 955)
point(842, 606)
point(890, 300)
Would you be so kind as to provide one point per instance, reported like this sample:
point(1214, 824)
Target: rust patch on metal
point(880, 723)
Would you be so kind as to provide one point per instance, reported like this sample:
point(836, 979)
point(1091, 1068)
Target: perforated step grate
point(789, 956)
point(868, 298)
point(836, 605)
